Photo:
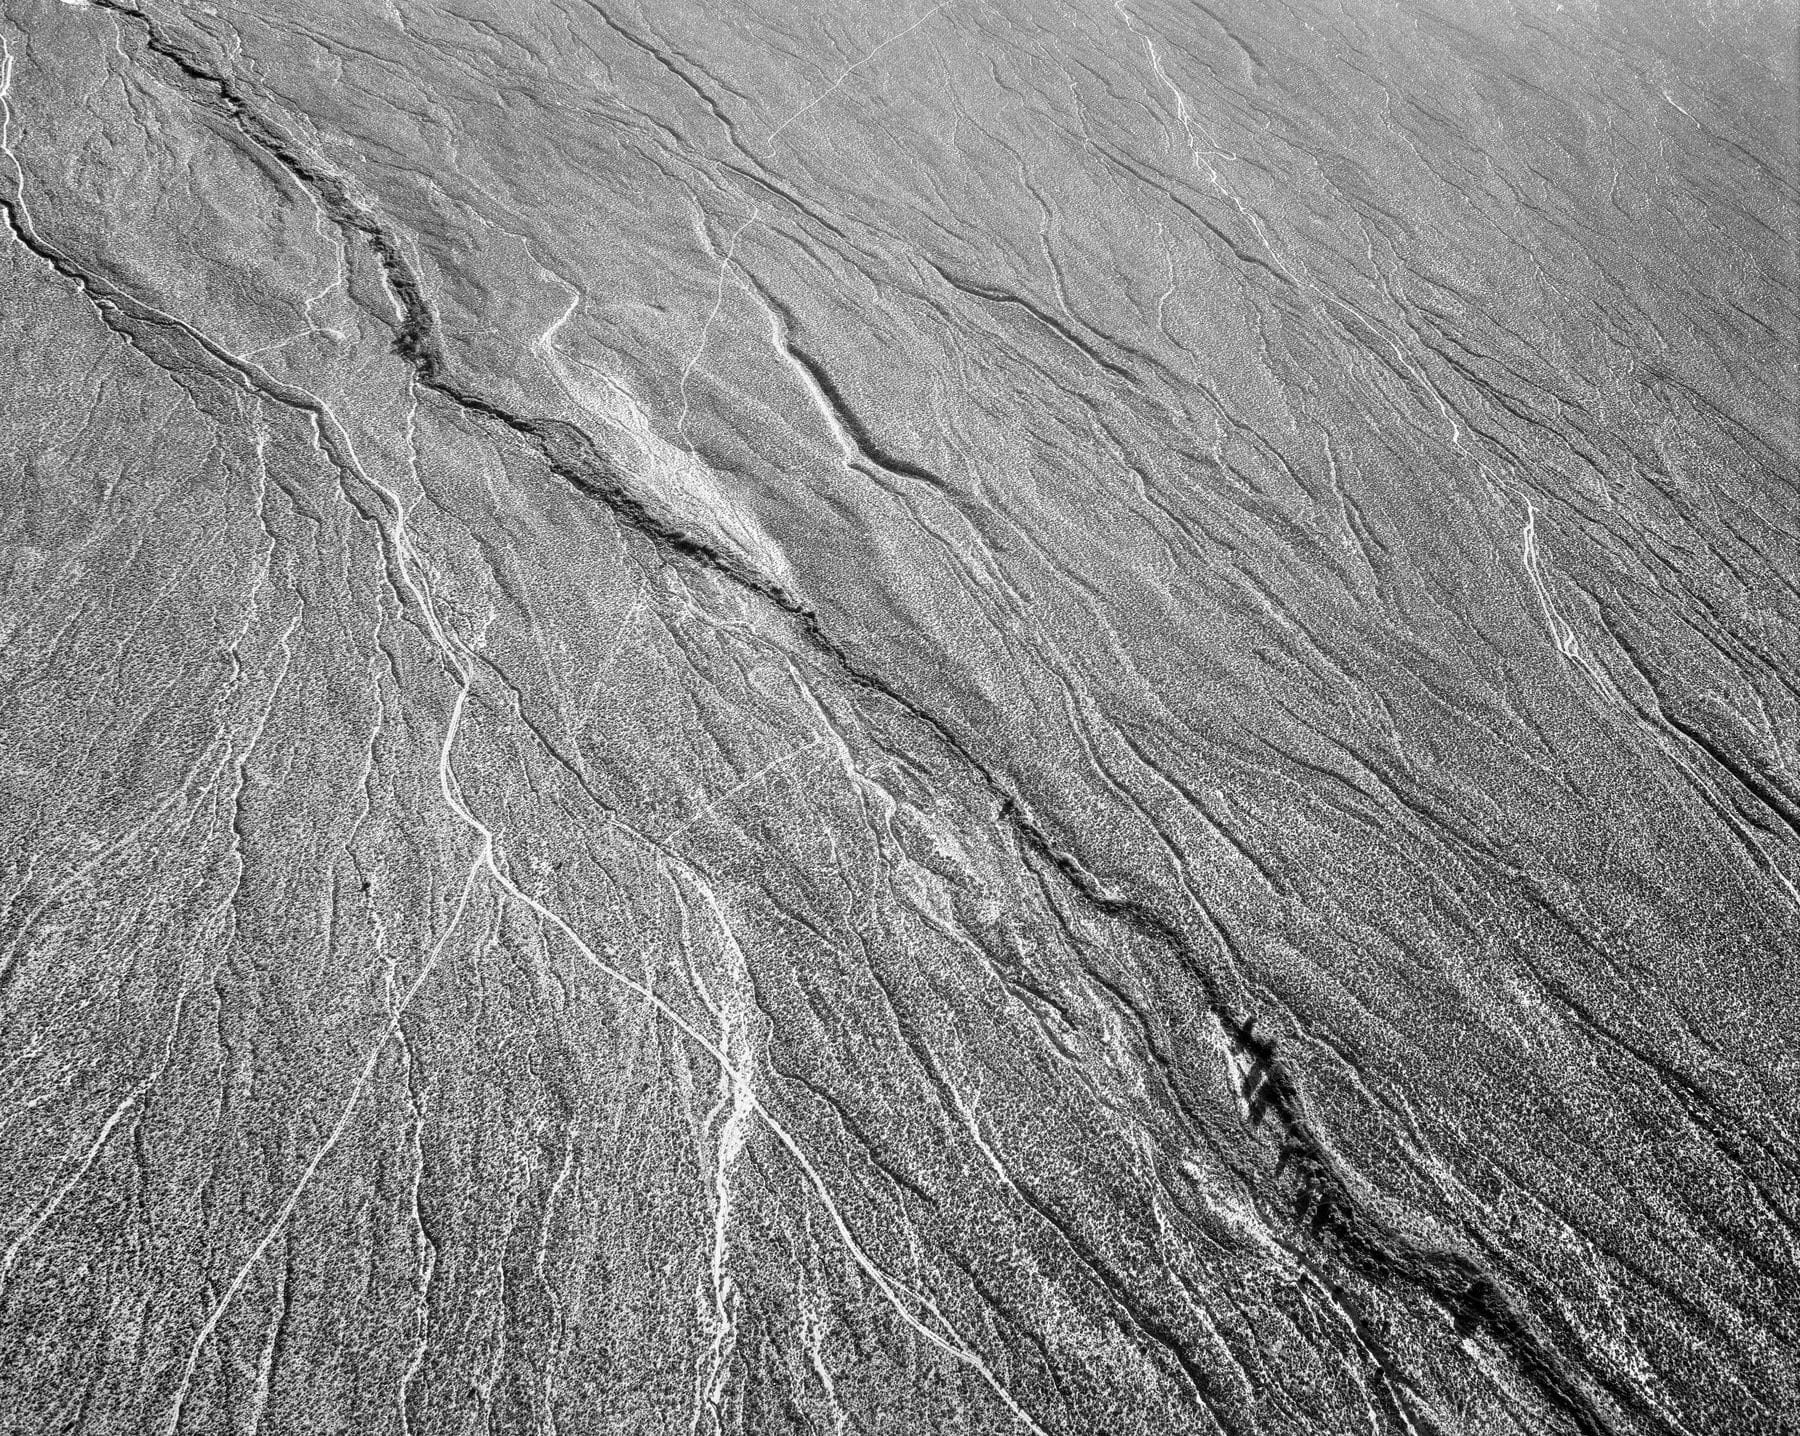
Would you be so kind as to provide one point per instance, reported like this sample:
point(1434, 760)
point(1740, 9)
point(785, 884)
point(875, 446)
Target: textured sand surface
point(1006, 716)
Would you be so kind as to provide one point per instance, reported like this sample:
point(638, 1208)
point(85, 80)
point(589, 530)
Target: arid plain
point(1007, 716)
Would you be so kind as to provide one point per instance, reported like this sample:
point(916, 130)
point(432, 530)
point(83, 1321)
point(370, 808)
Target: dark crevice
point(995, 295)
